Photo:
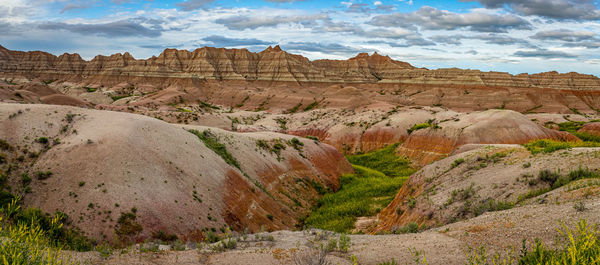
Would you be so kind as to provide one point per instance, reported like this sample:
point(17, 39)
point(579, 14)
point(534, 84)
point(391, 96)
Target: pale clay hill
point(176, 183)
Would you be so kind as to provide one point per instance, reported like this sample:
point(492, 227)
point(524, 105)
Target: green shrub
point(42, 140)
point(25, 179)
point(419, 126)
point(127, 227)
point(311, 106)
point(212, 142)
point(161, 235)
point(457, 162)
point(407, 229)
point(43, 175)
point(344, 243)
point(28, 244)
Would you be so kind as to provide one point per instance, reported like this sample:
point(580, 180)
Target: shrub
point(344, 243)
point(311, 106)
point(419, 126)
point(161, 235)
point(43, 175)
point(25, 179)
point(579, 206)
point(127, 227)
point(457, 162)
point(42, 140)
point(28, 244)
point(407, 229)
point(314, 138)
point(211, 141)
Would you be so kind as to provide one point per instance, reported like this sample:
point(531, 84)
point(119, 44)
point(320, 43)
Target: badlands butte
point(212, 144)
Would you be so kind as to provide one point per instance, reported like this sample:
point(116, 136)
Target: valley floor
point(498, 231)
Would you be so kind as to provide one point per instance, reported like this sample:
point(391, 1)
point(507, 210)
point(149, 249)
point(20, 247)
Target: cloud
point(555, 9)
point(366, 8)
point(283, 1)
point(543, 54)
point(408, 42)
point(121, 28)
point(564, 35)
point(501, 39)
point(254, 22)
point(333, 48)
point(221, 41)
point(490, 38)
point(77, 5)
point(160, 46)
point(587, 44)
point(434, 19)
point(449, 39)
point(190, 5)
point(120, 2)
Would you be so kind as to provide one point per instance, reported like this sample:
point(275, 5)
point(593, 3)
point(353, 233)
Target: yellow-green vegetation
point(582, 247)
point(384, 160)
point(28, 244)
point(419, 126)
point(574, 126)
point(212, 142)
point(549, 146)
point(378, 177)
point(30, 237)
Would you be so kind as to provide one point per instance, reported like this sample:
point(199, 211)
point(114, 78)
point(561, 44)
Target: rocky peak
point(272, 49)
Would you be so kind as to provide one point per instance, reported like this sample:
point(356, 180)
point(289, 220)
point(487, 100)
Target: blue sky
point(513, 36)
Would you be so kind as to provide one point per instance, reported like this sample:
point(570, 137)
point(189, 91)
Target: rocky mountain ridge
point(274, 64)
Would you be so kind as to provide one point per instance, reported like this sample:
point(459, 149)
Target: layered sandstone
point(274, 64)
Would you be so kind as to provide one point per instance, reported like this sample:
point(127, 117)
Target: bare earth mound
point(94, 165)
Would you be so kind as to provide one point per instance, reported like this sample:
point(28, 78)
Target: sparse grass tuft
point(549, 146)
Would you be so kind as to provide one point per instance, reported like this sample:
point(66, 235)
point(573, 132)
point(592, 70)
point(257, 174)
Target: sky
point(515, 36)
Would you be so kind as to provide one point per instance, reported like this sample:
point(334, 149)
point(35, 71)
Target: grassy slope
point(378, 176)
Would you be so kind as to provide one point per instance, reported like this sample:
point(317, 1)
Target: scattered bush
point(457, 162)
point(212, 142)
point(162, 236)
point(127, 227)
point(419, 126)
point(41, 175)
point(42, 140)
point(407, 229)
